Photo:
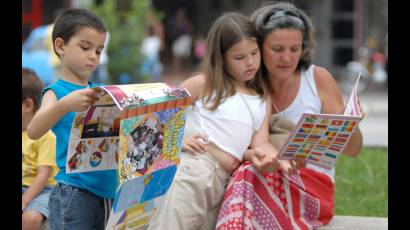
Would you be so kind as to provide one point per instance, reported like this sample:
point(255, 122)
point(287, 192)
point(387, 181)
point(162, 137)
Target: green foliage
point(125, 20)
point(361, 184)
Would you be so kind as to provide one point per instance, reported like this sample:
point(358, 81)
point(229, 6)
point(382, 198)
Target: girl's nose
point(250, 61)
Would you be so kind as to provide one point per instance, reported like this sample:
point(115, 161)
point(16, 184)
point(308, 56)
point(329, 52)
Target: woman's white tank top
point(307, 101)
point(231, 126)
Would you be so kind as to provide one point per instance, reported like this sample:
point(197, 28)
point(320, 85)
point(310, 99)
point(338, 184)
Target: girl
point(231, 111)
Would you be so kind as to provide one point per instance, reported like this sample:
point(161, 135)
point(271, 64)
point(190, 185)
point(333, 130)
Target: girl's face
point(281, 53)
point(242, 60)
point(81, 54)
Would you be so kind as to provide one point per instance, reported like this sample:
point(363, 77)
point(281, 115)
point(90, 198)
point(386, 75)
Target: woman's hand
point(195, 144)
point(289, 167)
point(362, 111)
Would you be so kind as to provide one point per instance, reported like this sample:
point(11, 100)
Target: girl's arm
point(262, 154)
point(39, 182)
point(195, 86)
point(51, 110)
point(332, 103)
point(194, 144)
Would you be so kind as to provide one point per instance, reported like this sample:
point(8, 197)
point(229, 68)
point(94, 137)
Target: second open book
point(320, 138)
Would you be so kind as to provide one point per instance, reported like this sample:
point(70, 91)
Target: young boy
point(38, 157)
point(79, 200)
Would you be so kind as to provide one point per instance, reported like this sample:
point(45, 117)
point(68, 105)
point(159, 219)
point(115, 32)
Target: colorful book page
point(94, 140)
point(320, 138)
point(150, 142)
point(143, 94)
point(95, 134)
point(135, 217)
point(144, 188)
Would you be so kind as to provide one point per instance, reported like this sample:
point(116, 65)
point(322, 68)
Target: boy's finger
point(90, 91)
point(95, 98)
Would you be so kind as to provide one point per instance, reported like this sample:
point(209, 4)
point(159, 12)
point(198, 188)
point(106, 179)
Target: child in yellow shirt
point(38, 158)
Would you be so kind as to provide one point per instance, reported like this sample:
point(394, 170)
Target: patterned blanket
point(255, 200)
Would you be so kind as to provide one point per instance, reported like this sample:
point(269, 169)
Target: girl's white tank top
point(231, 126)
point(307, 101)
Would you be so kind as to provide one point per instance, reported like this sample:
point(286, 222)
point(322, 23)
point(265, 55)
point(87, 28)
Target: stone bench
point(337, 223)
point(356, 223)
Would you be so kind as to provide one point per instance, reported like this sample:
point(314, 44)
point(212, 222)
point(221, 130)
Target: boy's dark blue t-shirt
point(101, 183)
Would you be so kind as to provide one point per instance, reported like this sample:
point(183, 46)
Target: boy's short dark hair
point(31, 87)
point(68, 23)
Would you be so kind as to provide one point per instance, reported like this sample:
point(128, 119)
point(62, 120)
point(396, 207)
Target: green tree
point(126, 21)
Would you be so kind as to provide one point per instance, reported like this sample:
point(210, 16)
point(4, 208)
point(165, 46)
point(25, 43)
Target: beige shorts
point(195, 196)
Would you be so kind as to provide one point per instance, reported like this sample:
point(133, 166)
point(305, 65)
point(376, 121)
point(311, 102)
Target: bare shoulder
point(328, 90)
point(195, 85)
point(49, 99)
point(322, 76)
point(324, 80)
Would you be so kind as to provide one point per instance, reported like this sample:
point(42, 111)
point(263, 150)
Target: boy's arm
point(51, 110)
point(48, 114)
point(39, 182)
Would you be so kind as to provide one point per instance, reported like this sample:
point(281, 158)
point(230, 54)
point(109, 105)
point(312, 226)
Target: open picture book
point(320, 138)
point(136, 129)
point(127, 118)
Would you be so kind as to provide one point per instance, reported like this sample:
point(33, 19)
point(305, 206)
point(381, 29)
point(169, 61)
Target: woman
point(303, 200)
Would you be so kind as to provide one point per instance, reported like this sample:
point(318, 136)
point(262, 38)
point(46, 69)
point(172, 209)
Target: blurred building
point(40, 12)
point(342, 26)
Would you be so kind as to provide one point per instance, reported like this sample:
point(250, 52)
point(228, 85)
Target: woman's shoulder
point(323, 78)
point(321, 74)
point(328, 89)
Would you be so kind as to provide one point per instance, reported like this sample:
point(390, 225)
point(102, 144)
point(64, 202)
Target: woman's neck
point(283, 91)
point(281, 85)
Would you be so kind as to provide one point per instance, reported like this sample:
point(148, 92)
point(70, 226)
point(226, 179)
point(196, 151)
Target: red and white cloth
point(255, 200)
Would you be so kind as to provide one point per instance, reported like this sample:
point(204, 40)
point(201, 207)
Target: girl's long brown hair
point(228, 29)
